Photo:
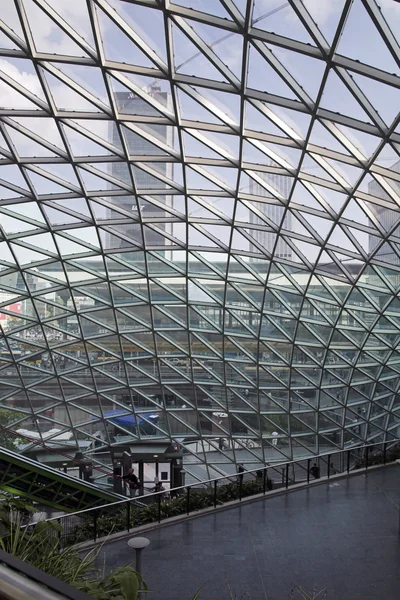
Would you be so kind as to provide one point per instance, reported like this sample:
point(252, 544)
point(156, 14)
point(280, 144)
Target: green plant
point(39, 545)
point(123, 583)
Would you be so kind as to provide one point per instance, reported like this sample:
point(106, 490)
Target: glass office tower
point(146, 184)
point(387, 218)
point(276, 215)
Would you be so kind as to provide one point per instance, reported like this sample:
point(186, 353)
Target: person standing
point(222, 443)
point(240, 471)
point(315, 471)
point(159, 488)
point(132, 482)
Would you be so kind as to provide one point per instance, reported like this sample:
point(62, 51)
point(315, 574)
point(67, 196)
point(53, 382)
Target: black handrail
point(238, 477)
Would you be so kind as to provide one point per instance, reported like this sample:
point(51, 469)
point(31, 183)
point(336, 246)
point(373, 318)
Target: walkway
point(342, 536)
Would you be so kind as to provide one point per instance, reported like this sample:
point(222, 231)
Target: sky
point(360, 41)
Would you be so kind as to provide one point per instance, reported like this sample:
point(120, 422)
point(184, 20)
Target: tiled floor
point(342, 536)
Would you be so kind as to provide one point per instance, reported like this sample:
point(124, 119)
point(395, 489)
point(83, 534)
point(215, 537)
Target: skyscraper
point(386, 218)
point(141, 208)
point(273, 212)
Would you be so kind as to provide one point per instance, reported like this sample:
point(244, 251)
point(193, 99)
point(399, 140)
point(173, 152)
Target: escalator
point(22, 476)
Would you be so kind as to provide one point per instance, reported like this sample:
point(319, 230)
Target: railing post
point(215, 493)
point(188, 500)
point(329, 465)
point(384, 453)
point(128, 516)
point(308, 469)
point(59, 531)
point(348, 461)
point(240, 487)
point(264, 481)
point(366, 457)
point(287, 476)
point(95, 525)
point(159, 508)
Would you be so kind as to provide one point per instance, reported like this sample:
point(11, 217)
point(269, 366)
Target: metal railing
point(21, 581)
point(125, 515)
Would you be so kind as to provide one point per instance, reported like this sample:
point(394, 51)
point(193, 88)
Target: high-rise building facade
point(387, 219)
point(268, 240)
point(130, 237)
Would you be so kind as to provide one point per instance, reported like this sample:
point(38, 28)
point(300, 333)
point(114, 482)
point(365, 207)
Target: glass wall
point(199, 216)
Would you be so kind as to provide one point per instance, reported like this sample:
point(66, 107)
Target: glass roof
point(199, 226)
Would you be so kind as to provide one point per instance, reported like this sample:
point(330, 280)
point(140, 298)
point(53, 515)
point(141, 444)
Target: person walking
point(315, 471)
point(132, 482)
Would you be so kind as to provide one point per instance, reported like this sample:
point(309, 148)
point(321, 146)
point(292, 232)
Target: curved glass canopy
point(199, 226)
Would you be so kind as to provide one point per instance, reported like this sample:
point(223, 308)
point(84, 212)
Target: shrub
point(39, 545)
point(379, 458)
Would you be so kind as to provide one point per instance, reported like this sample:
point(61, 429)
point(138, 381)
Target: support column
point(118, 484)
point(141, 477)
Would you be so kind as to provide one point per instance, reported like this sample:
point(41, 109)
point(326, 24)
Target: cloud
point(11, 98)
point(48, 36)
point(388, 6)
point(320, 10)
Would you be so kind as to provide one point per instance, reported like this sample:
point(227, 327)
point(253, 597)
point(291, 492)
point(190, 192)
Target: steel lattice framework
point(199, 224)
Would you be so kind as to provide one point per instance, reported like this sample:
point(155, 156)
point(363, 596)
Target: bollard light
point(138, 544)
